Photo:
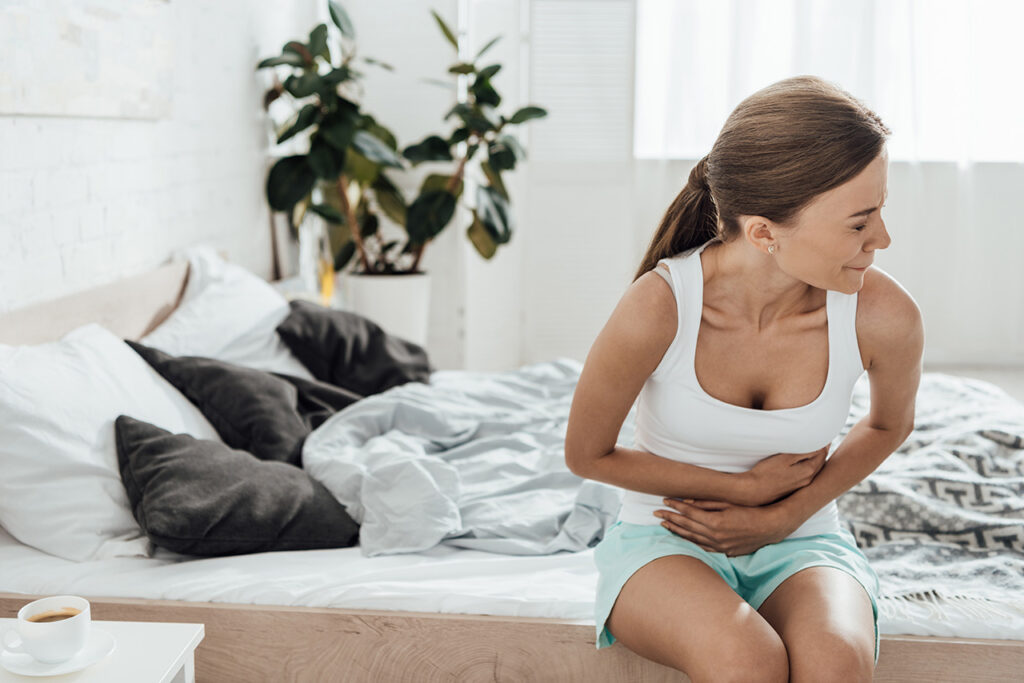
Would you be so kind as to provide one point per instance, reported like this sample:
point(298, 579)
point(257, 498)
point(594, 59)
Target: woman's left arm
point(894, 340)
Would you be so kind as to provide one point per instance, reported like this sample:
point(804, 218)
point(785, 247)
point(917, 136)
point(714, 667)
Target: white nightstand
point(145, 652)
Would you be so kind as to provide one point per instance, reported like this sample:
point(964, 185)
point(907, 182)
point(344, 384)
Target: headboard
point(130, 308)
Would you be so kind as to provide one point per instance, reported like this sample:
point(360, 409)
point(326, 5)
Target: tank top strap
point(843, 317)
point(687, 300)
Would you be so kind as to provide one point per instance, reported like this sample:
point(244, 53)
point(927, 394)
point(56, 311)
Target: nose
point(881, 239)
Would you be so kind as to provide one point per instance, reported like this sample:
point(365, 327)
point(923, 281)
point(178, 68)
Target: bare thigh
point(677, 611)
point(825, 618)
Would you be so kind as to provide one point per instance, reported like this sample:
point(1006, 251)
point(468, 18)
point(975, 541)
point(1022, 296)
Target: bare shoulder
point(643, 323)
point(626, 351)
point(888, 319)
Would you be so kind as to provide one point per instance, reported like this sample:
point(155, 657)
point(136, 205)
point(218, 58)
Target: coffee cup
point(50, 630)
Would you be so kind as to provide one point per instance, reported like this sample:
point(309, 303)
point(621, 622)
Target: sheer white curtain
point(947, 76)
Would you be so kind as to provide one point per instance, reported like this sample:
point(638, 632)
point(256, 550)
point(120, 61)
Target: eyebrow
point(868, 212)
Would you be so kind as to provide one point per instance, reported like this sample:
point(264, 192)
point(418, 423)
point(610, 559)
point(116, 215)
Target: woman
point(750, 319)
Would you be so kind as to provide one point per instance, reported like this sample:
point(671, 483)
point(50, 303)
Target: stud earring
point(771, 249)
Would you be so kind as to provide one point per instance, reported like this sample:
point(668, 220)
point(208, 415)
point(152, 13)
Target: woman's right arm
point(624, 354)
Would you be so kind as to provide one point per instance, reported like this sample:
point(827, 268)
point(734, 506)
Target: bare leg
point(677, 611)
point(824, 616)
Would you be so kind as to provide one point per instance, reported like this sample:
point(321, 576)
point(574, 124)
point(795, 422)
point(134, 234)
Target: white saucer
point(99, 645)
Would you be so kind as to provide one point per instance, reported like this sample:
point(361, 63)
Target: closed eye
point(861, 227)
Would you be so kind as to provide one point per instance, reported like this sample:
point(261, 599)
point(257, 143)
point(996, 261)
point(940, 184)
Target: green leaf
point(389, 199)
point(368, 225)
point(473, 117)
point(326, 161)
point(447, 31)
point(487, 47)
point(370, 60)
point(429, 214)
point(303, 85)
point(438, 181)
point(358, 167)
point(513, 143)
point(458, 136)
point(494, 178)
point(344, 255)
point(480, 238)
point(471, 150)
point(289, 58)
point(303, 120)
point(336, 76)
point(494, 214)
point(328, 213)
point(527, 113)
point(380, 132)
point(501, 157)
point(443, 84)
point(318, 41)
point(375, 150)
point(289, 180)
point(485, 93)
point(340, 18)
point(461, 68)
point(338, 131)
point(295, 47)
point(489, 71)
point(433, 148)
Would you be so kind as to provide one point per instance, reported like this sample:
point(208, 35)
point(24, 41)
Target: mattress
point(443, 579)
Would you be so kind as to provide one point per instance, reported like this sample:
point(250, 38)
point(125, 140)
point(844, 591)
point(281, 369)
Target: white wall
point(957, 235)
point(85, 200)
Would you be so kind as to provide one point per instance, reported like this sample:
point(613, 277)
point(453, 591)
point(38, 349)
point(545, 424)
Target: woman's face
point(835, 236)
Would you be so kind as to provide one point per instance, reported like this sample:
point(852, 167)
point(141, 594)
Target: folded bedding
point(944, 514)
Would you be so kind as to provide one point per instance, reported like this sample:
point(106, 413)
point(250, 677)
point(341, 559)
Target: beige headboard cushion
point(130, 308)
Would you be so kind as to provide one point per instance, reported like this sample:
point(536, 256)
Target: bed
point(445, 613)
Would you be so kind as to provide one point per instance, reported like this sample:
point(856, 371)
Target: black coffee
point(54, 615)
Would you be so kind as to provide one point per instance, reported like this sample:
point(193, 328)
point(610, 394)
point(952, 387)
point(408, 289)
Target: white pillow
point(60, 485)
point(229, 314)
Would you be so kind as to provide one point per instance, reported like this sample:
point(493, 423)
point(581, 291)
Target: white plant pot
point(398, 303)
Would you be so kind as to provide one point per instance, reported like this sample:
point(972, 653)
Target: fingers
point(689, 515)
point(690, 534)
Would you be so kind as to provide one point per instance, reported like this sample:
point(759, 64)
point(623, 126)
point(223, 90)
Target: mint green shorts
point(627, 547)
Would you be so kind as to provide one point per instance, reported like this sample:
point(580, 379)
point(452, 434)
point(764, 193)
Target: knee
point(746, 659)
point(834, 657)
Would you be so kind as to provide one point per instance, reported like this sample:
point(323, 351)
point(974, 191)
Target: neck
point(746, 284)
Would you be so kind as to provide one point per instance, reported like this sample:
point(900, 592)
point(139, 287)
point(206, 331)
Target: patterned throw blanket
point(943, 516)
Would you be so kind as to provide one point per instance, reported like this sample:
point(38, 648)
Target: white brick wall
point(84, 201)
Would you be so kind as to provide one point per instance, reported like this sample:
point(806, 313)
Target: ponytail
point(690, 221)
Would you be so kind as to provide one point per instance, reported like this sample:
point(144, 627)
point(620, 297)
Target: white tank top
point(677, 419)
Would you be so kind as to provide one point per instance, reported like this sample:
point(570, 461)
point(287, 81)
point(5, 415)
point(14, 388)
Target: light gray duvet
point(473, 459)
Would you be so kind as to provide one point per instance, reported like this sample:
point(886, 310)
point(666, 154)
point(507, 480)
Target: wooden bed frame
point(282, 643)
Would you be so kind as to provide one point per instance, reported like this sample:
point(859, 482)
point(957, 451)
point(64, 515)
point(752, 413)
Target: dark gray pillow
point(201, 497)
point(350, 351)
point(266, 414)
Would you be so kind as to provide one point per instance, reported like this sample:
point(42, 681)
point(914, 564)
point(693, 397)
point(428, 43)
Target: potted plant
point(348, 185)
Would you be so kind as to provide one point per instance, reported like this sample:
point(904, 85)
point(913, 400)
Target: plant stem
point(350, 218)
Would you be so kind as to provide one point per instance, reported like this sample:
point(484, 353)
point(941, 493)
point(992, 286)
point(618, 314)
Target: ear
point(759, 232)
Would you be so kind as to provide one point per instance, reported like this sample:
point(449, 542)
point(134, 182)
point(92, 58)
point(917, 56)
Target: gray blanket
point(944, 514)
point(474, 460)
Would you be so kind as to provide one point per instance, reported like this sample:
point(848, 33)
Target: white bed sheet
point(441, 580)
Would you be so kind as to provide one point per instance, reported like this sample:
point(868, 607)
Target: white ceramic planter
point(398, 303)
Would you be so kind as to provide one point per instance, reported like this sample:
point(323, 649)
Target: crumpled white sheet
point(472, 460)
